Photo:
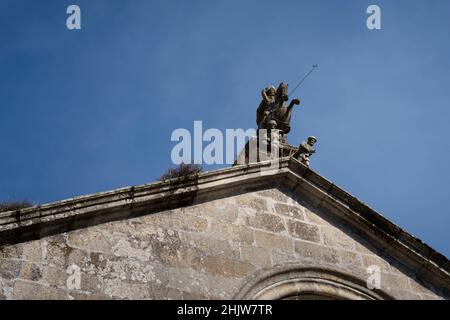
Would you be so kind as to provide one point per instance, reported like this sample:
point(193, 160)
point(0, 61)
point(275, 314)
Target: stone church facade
point(243, 232)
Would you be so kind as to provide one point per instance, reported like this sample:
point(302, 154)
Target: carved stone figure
point(272, 112)
point(305, 150)
point(266, 106)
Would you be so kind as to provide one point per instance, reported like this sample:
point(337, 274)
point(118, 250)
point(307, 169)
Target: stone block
point(315, 218)
point(363, 246)
point(163, 292)
point(193, 296)
point(129, 248)
point(208, 245)
point(134, 272)
point(30, 271)
point(6, 289)
point(177, 221)
point(316, 252)
point(158, 244)
point(32, 251)
point(227, 231)
point(29, 251)
point(430, 297)
point(53, 276)
point(91, 283)
point(197, 282)
point(79, 295)
point(258, 257)
point(370, 260)
point(273, 241)
point(78, 257)
point(291, 211)
point(94, 239)
point(275, 195)
point(419, 288)
point(222, 210)
point(268, 222)
point(350, 258)
point(401, 294)
point(282, 258)
point(116, 288)
point(9, 269)
point(24, 290)
point(251, 202)
point(303, 231)
point(222, 265)
point(394, 281)
point(336, 238)
point(11, 251)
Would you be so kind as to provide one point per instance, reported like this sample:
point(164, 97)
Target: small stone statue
point(305, 150)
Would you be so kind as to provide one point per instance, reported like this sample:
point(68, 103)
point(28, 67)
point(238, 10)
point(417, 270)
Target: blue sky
point(92, 110)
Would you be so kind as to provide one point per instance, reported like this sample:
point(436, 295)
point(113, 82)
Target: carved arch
point(292, 280)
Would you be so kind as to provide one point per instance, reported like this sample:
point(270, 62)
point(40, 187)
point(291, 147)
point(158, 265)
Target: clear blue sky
point(93, 110)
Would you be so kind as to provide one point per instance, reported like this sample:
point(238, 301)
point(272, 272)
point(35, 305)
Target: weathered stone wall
point(205, 251)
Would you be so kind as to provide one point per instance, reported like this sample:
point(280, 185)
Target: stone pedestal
point(254, 152)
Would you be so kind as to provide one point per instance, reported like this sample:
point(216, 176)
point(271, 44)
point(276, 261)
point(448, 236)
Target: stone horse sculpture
point(272, 112)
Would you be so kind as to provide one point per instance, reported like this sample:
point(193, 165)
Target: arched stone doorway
point(293, 282)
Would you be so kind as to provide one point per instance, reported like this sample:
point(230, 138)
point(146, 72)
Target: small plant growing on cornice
point(181, 171)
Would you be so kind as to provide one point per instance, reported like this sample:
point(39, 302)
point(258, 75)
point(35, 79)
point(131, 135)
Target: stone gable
point(203, 251)
point(230, 234)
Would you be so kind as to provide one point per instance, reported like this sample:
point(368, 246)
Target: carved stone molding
point(295, 280)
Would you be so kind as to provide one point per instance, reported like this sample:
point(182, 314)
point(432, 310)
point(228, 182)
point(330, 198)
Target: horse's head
point(282, 92)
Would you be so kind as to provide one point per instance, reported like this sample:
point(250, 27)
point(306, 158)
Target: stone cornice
point(21, 225)
point(80, 212)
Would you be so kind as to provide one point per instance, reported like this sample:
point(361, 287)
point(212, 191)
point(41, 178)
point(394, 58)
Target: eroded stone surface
point(204, 251)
